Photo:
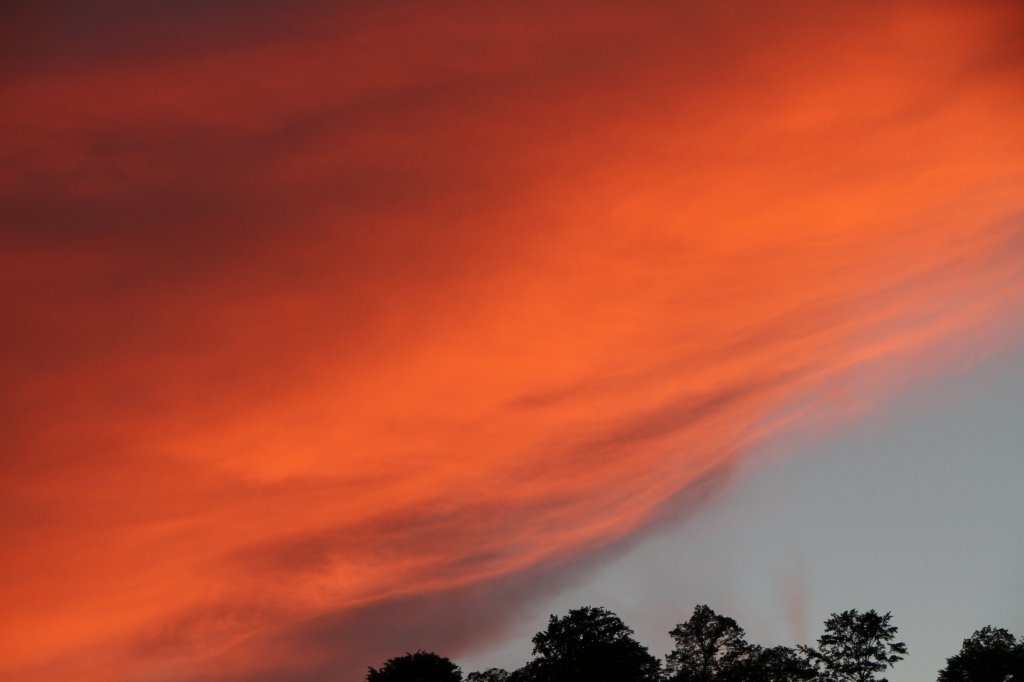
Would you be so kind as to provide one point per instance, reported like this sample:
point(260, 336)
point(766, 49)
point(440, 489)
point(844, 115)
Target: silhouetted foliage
point(707, 647)
point(776, 664)
point(489, 675)
point(422, 666)
point(592, 644)
point(855, 646)
point(587, 645)
point(989, 655)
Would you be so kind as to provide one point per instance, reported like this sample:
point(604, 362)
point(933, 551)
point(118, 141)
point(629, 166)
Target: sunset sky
point(333, 330)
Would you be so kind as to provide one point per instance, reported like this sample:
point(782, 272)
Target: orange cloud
point(316, 319)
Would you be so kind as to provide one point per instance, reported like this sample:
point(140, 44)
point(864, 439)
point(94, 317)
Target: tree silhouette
point(586, 645)
point(422, 666)
point(592, 644)
point(775, 664)
point(989, 655)
point(855, 646)
point(708, 647)
point(489, 675)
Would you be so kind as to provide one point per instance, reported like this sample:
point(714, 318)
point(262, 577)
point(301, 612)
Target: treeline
point(592, 644)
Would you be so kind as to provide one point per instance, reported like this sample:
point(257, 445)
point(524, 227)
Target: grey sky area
point(917, 508)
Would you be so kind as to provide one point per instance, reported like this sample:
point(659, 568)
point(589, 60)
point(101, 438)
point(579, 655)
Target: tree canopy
point(855, 647)
point(422, 666)
point(592, 644)
point(706, 647)
point(588, 644)
point(489, 675)
point(989, 655)
point(775, 664)
point(712, 648)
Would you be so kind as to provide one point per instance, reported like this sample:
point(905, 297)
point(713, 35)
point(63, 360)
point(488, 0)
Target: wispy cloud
point(321, 323)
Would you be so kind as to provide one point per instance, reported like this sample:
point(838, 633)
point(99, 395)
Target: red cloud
point(335, 316)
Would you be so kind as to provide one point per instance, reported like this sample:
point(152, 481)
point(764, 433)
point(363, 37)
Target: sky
point(337, 330)
point(936, 540)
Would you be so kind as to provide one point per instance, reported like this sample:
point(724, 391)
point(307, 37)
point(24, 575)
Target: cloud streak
point(328, 318)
